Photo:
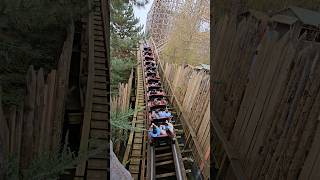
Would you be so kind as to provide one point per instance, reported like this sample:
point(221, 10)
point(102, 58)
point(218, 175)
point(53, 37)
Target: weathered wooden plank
point(99, 124)
point(18, 131)
point(47, 129)
point(100, 93)
point(99, 133)
point(95, 174)
point(28, 127)
point(100, 79)
point(4, 140)
point(12, 128)
point(39, 107)
point(97, 164)
point(100, 100)
point(100, 116)
point(88, 115)
point(62, 86)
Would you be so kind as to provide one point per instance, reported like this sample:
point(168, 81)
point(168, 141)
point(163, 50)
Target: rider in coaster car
point(154, 131)
point(156, 101)
point(168, 127)
point(155, 114)
point(163, 100)
point(167, 113)
point(162, 114)
point(153, 91)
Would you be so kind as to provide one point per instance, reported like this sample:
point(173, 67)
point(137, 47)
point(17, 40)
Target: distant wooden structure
point(255, 15)
point(160, 19)
point(307, 21)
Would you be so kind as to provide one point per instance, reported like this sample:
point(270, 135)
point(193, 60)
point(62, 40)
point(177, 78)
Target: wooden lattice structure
point(160, 18)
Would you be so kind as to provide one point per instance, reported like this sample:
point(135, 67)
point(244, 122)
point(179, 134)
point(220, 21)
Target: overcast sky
point(142, 12)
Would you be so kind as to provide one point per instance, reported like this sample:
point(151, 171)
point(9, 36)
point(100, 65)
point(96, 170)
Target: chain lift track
point(164, 160)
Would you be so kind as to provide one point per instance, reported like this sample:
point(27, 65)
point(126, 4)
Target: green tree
point(125, 36)
point(125, 31)
point(187, 42)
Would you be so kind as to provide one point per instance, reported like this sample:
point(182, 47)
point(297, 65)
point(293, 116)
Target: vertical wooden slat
point(62, 85)
point(49, 112)
point(18, 134)
point(44, 121)
point(4, 140)
point(38, 111)
point(28, 121)
point(12, 127)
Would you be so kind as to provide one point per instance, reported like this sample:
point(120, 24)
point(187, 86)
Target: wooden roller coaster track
point(96, 111)
point(136, 146)
point(145, 161)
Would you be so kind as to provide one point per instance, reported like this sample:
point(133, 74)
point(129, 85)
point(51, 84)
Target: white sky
point(142, 12)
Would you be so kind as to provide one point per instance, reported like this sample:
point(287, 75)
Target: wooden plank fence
point(189, 91)
point(36, 126)
point(265, 107)
point(121, 101)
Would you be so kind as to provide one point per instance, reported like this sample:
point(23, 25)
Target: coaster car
point(163, 137)
point(160, 104)
point(148, 57)
point(154, 79)
point(155, 94)
point(149, 63)
point(150, 73)
point(154, 87)
point(158, 120)
point(150, 68)
point(148, 52)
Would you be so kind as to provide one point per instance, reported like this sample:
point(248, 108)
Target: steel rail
point(177, 161)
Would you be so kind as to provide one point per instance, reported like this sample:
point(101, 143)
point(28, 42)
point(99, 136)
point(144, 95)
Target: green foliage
point(50, 165)
point(12, 171)
point(121, 121)
point(139, 3)
point(186, 43)
point(125, 32)
point(123, 22)
point(125, 36)
point(120, 72)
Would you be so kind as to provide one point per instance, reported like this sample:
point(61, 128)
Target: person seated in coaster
point(169, 129)
point(156, 101)
point(154, 131)
point(163, 100)
point(169, 126)
point(167, 113)
point(153, 84)
point(151, 71)
point(163, 130)
point(155, 114)
point(153, 91)
point(162, 114)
